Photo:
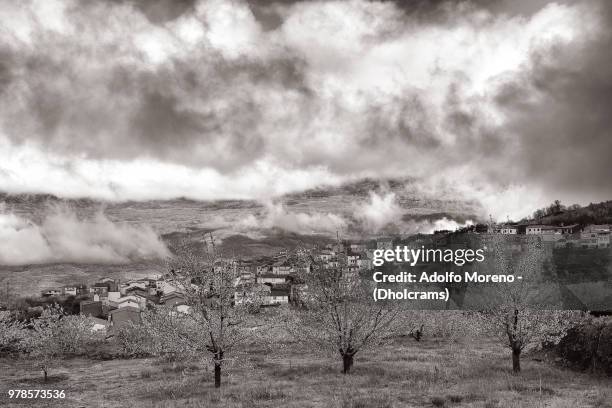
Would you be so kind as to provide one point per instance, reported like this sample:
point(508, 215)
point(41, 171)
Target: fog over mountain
point(502, 103)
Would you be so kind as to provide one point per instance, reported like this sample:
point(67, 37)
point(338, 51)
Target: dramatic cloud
point(230, 99)
point(277, 216)
point(378, 212)
point(382, 213)
point(63, 237)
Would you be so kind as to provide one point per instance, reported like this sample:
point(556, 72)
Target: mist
point(63, 237)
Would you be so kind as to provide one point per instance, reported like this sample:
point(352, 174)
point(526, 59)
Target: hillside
point(600, 213)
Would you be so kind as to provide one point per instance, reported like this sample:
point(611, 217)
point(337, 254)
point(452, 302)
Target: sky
point(502, 102)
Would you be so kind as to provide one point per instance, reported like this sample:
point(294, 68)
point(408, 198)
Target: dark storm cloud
point(441, 10)
point(160, 11)
point(566, 135)
point(501, 90)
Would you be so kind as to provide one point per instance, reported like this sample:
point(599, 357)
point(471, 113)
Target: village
point(562, 236)
point(112, 303)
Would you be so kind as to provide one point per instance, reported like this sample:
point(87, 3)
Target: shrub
point(438, 402)
point(588, 345)
point(455, 399)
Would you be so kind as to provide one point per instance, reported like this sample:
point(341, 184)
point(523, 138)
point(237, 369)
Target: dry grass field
point(431, 373)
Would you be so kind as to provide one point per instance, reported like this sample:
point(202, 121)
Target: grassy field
point(431, 373)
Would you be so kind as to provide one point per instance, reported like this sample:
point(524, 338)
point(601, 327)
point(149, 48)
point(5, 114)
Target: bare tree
point(339, 314)
point(520, 319)
point(215, 323)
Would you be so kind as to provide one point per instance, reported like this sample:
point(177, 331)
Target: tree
point(215, 323)
point(55, 334)
point(12, 333)
point(519, 319)
point(339, 314)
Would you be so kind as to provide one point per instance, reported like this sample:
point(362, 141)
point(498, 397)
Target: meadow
point(404, 373)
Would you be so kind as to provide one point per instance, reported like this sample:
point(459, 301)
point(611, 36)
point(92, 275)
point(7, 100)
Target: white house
point(508, 230)
point(352, 258)
point(114, 296)
point(70, 291)
point(271, 278)
point(595, 236)
point(282, 267)
point(136, 301)
point(540, 229)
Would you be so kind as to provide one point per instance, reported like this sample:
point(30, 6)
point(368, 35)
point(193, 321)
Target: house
point(264, 268)
point(137, 301)
point(358, 247)
point(173, 299)
point(113, 296)
point(508, 229)
point(111, 284)
point(119, 318)
point(332, 263)
point(70, 290)
point(603, 241)
point(595, 236)
point(595, 228)
point(540, 229)
point(567, 229)
point(100, 289)
point(126, 287)
point(166, 286)
point(282, 267)
point(326, 255)
point(51, 292)
point(137, 290)
point(271, 278)
point(352, 258)
point(277, 297)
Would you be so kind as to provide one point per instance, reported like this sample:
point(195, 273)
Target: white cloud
point(379, 212)
point(64, 237)
point(104, 103)
point(276, 215)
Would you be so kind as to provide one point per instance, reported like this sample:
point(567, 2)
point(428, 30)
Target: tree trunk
point(516, 360)
point(218, 362)
point(217, 375)
point(347, 363)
